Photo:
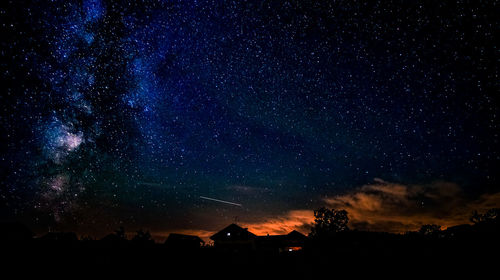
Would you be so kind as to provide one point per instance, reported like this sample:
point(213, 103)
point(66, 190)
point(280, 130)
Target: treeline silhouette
point(330, 249)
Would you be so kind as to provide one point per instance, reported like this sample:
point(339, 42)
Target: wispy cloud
point(393, 207)
point(381, 206)
point(300, 220)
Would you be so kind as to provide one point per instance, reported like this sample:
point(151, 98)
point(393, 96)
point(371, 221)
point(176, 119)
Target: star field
point(125, 113)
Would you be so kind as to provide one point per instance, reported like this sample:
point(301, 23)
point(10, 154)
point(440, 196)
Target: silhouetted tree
point(120, 233)
point(142, 237)
point(329, 221)
point(115, 238)
point(491, 216)
point(430, 230)
point(487, 222)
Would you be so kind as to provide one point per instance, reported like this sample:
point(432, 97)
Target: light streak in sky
point(221, 201)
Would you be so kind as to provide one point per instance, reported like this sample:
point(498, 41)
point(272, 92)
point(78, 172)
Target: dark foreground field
point(471, 252)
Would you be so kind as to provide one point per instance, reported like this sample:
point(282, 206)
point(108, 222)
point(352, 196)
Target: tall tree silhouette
point(327, 222)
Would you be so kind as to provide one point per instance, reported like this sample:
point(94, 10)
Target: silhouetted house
point(183, 241)
point(14, 232)
point(294, 241)
point(234, 238)
point(65, 237)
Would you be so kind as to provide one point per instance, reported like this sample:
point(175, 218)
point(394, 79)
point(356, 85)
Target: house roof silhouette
point(296, 235)
point(233, 232)
point(234, 237)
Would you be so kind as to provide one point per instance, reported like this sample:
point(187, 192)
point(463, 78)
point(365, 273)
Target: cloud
point(393, 207)
point(300, 220)
point(381, 206)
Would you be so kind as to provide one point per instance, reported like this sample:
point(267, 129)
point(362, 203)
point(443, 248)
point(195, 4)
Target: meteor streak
point(221, 201)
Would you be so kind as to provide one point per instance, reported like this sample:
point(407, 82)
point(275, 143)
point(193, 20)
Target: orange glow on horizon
point(299, 220)
point(382, 206)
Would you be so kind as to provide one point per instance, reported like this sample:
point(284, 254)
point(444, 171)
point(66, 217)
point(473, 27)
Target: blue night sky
point(118, 113)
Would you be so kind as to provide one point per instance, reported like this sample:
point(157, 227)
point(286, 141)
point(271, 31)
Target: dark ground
point(351, 254)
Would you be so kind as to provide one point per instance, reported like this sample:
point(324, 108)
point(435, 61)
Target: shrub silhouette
point(491, 216)
point(487, 222)
point(120, 233)
point(430, 230)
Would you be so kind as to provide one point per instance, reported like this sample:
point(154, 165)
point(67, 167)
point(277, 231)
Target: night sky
point(118, 113)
